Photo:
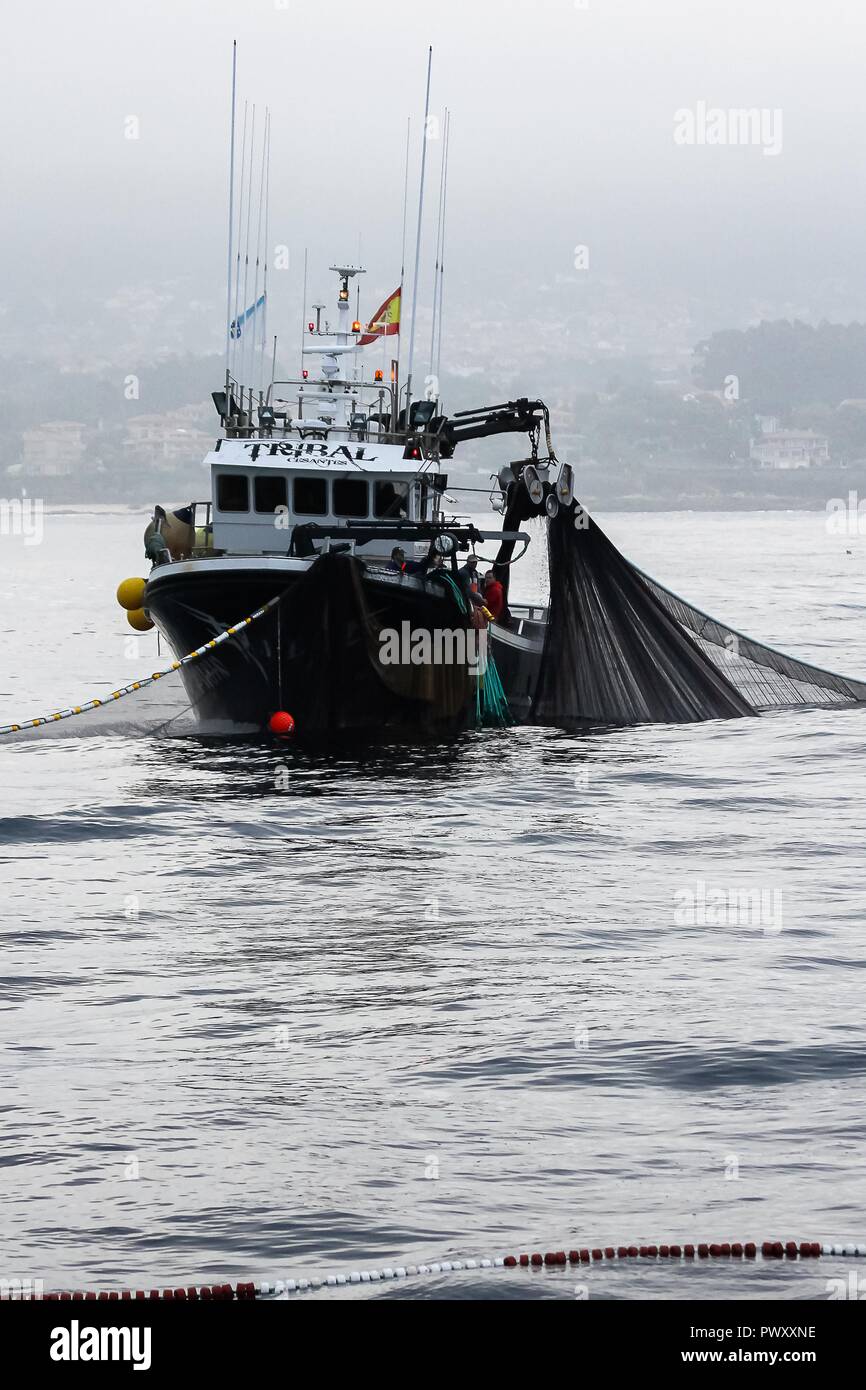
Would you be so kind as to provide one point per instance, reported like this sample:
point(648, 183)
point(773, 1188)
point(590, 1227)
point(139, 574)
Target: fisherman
point(398, 563)
point(469, 576)
point(494, 596)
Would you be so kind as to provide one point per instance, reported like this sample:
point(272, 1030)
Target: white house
point(52, 450)
point(790, 449)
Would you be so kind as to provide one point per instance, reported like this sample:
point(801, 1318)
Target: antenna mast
point(303, 314)
point(231, 218)
point(240, 228)
point(418, 238)
point(247, 251)
point(255, 303)
point(442, 255)
point(440, 233)
point(402, 254)
point(273, 370)
point(267, 248)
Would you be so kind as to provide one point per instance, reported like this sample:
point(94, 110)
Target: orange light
point(378, 375)
point(356, 327)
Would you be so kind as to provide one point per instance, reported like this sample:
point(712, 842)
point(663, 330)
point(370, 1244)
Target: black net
point(766, 678)
point(622, 649)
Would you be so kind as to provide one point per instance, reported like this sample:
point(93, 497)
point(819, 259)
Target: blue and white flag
point(237, 325)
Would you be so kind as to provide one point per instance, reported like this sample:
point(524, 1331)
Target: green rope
point(456, 592)
point(491, 705)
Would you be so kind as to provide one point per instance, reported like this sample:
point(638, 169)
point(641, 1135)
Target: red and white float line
point(734, 1250)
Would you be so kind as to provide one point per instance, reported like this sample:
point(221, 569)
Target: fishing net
point(163, 708)
point(161, 704)
point(622, 649)
point(767, 679)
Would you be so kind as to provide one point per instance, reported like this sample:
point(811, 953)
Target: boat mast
point(240, 230)
point(440, 238)
point(231, 219)
point(266, 255)
point(240, 326)
point(436, 370)
point(418, 238)
point(304, 312)
point(402, 276)
point(255, 304)
point(273, 371)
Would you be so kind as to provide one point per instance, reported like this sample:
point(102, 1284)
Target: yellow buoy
point(130, 593)
point(138, 619)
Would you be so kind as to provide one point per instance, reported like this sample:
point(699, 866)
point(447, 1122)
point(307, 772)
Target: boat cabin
point(263, 489)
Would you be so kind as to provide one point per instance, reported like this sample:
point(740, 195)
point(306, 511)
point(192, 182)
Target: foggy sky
point(563, 135)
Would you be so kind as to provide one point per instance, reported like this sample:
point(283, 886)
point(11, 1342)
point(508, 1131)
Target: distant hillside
point(35, 393)
point(782, 365)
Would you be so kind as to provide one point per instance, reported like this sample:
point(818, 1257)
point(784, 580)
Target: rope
point(148, 680)
point(456, 591)
point(491, 706)
point(749, 1250)
point(491, 703)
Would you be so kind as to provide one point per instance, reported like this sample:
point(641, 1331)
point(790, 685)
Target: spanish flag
point(385, 322)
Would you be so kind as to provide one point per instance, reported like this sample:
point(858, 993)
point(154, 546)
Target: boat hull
point(318, 653)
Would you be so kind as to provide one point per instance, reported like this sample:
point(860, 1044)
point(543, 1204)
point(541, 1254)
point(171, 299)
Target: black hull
point(315, 654)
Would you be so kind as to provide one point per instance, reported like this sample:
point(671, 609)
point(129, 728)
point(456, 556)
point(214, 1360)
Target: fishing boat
point(328, 520)
point(316, 482)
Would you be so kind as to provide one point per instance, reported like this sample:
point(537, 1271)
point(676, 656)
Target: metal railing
point(250, 414)
point(247, 413)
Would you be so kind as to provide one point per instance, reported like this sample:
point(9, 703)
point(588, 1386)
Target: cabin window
point(391, 500)
point(233, 492)
point(350, 497)
point(310, 496)
point(270, 492)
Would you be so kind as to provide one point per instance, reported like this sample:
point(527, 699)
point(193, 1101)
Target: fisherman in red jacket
point(494, 596)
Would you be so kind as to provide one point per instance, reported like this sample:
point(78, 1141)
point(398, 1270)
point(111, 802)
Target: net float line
point(748, 1250)
point(199, 652)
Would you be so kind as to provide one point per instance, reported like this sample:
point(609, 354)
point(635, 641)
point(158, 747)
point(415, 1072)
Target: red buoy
point(281, 723)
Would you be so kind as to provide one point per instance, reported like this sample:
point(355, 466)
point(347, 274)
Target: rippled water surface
point(264, 1014)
